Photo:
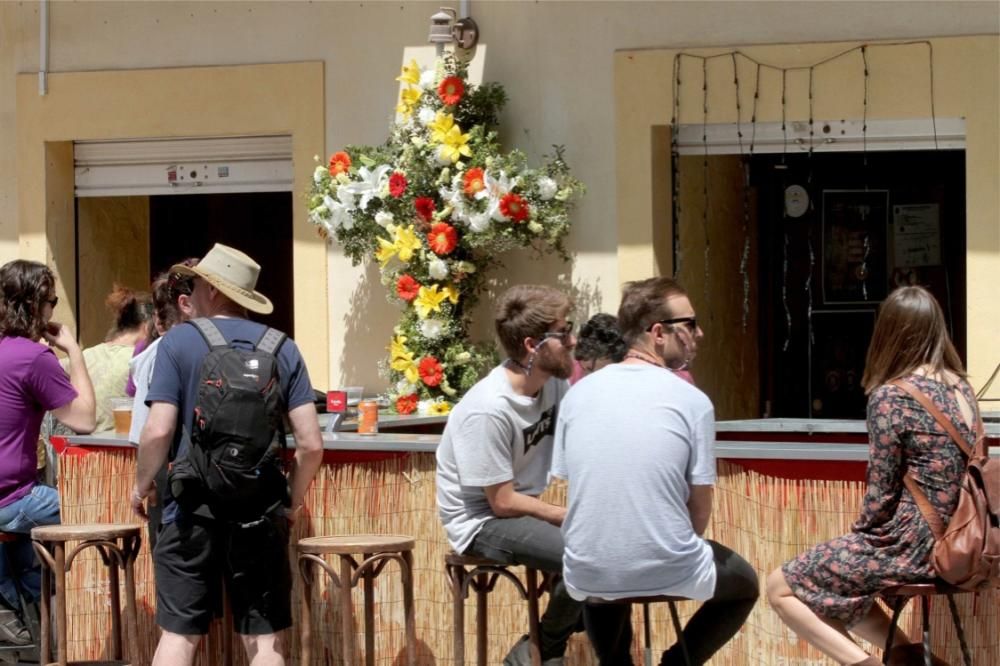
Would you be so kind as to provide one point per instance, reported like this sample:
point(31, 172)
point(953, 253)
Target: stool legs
point(925, 608)
point(346, 610)
point(44, 654)
point(966, 657)
point(534, 624)
point(60, 574)
point(305, 619)
point(408, 611)
point(482, 590)
point(456, 576)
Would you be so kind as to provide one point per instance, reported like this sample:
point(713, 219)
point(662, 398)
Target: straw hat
point(233, 273)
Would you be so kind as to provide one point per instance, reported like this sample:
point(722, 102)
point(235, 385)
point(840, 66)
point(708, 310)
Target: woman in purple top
point(31, 383)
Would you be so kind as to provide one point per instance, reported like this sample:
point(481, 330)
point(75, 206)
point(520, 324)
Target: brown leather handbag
point(967, 552)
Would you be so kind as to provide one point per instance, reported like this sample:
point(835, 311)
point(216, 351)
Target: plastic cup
point(121, 410)
point(353, 395)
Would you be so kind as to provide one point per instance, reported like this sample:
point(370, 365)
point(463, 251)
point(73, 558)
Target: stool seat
point(921, 589)
point(95, 531)
point(7, 537)
point(355, 543)
point(471, 561)
point(659, 599)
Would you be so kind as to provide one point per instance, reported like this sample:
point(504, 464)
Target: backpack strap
point(213, 336)
point(271, 341)
point(930, 514)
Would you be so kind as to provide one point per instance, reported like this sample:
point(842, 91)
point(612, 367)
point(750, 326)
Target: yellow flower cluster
point(401, 359)
point(404, 243)
point(453, 145)
point(410, 95)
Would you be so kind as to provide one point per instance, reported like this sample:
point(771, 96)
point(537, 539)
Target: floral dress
point(890, 543)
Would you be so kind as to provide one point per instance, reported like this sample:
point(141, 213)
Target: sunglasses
point(54, 301)
point(561, 335)
point(180, 283)
point(690, 322)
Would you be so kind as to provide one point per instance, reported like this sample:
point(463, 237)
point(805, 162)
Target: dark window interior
point(259, 224)
point(858, 203)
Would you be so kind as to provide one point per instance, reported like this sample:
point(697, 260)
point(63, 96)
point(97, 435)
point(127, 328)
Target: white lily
point(431, 328)
point(369, 183)
point(479, 222)
point(437, 269)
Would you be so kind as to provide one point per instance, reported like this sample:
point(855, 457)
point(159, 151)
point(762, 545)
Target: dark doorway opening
point(258, 223)
point(872, 222)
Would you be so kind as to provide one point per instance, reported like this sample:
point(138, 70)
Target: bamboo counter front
point(783, 486)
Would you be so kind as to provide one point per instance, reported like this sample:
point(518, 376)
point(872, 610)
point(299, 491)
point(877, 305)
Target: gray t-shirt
point(631, 440)
point(493, 435)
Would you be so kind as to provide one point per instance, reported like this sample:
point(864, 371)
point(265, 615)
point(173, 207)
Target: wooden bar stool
point(898, 596)
point(481, 574)
point(376, 551)
point(646, 628)
point(118, 546)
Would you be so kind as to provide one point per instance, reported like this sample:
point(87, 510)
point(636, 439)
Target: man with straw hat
point(493, 461)
point(652, 467)
point(198, 549)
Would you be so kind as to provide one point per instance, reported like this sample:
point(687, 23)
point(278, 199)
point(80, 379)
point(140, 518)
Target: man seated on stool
point(636, 444)
point(493, 460)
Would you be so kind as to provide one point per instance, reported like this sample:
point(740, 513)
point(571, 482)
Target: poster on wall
point(916, 230)
point(855, 228)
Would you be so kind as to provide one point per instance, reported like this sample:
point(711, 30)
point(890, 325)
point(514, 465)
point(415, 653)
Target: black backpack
point(233, 463)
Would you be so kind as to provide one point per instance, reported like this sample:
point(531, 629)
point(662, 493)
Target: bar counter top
point(756, 439)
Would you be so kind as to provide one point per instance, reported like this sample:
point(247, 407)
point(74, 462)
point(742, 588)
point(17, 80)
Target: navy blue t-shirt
point(178, 365)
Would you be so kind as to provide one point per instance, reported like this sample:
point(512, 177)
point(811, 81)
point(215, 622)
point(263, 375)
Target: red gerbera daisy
point(442, 238)
point(407, 288)
point(472, 181)
point(425, 208)
point(514, 207)
point(406, 404)
point(431, 371)
point(339, 163)
point(397, 184)
point(451, 90)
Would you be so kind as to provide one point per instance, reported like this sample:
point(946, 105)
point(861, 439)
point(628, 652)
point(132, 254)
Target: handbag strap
point(930, 514)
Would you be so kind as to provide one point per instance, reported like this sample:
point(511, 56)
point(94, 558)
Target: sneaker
point(520, 655)
point(12, 630)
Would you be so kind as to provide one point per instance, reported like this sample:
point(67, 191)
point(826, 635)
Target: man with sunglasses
point(652, 467)
point(493, 460)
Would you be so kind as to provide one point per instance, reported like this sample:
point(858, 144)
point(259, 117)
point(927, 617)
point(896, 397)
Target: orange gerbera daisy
point(514, 207)
point(442, 238)
point(339, 163)
point(431, 372)
point(472, 181)
point(451, 90)
point(406, 404)
point(407, 287)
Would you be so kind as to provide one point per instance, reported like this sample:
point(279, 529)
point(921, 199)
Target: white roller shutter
point(183, 166)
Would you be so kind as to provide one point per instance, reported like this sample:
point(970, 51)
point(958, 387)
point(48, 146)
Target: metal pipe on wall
point(43, 41)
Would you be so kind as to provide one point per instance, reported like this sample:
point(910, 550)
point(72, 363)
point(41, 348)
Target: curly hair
point(167, 288)
point(26, 287)
point(600, 338)
point(131, 310)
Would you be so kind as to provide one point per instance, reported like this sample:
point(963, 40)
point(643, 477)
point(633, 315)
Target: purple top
point(31, 383)
point(130, 385)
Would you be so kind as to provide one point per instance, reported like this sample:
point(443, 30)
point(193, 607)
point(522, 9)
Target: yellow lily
point(406, 242)
point(385, 252)
point(408, 100)
point(410, 73)
point(443, 123)
point(453, 145)
point(397, 348)
point(451, 293)
point(428, 300)
point(407, 366)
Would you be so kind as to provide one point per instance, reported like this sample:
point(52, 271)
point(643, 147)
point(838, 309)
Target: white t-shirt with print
point(631, 440)
point(493, 435)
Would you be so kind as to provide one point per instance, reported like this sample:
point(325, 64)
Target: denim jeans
point(39, 507)
point(609, 626)
point(537, 544)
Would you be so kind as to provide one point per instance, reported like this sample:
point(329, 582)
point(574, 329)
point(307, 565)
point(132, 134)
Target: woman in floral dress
point(832, 588)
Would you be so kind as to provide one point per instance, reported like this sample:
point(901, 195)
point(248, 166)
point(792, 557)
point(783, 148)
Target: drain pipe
point(43, 41)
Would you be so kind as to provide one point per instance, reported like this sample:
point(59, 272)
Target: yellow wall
point(966, 84)
point(207, 101)
point(556, 59)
